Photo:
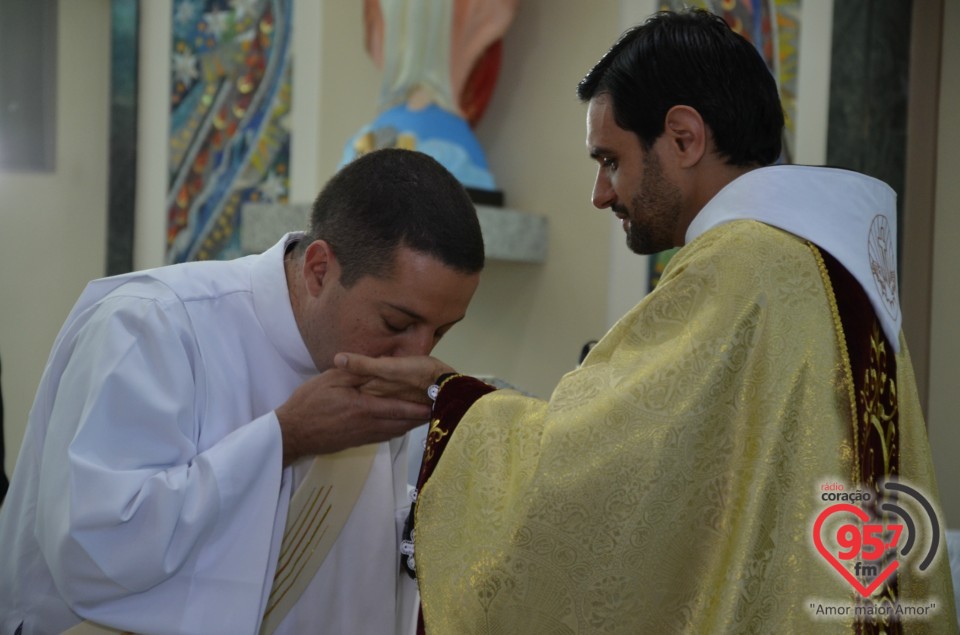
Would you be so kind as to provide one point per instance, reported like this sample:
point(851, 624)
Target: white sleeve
point(127, 503)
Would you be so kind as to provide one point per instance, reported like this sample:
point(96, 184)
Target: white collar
point(851, 216)
point(271, 300)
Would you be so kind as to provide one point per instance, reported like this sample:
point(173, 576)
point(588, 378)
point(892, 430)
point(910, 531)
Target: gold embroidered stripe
point(293, 553)
point(318, 511)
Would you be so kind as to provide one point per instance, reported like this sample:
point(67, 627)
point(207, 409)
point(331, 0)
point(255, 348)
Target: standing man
point(189, 414)
point(677, 480)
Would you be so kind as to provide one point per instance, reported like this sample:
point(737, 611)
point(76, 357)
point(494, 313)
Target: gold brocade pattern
point(671, 482)
point(878, 405)
point(844, 359)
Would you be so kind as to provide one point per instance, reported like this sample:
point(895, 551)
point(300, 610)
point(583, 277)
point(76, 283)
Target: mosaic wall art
point(229, 120)
point(773, 26)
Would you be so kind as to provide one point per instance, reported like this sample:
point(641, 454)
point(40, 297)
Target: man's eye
point(607, 162)
point(393, 328)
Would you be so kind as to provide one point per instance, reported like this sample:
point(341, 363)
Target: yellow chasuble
point(672, 482)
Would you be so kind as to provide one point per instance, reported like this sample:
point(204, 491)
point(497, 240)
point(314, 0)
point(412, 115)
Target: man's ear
point(687, 134)
point(319, 263)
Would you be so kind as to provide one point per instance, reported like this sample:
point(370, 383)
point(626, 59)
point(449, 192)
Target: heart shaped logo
point(854, 540)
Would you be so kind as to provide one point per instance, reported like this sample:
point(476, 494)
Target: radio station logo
point(867, 538)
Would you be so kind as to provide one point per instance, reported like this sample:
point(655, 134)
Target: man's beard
point(660, 203)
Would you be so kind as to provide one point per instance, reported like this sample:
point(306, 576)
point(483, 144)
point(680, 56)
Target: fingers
point(382, 388)
point(332, 412)
point(373, 421)
point(380, 419)
point(414, 372)
point(367, 366)
point(337, 378)
point(395, 409)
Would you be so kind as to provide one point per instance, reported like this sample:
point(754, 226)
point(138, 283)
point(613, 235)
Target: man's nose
point(603, 194)
point(418, 342)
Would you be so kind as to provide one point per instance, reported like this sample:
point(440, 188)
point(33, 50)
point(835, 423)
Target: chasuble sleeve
point(670, 482)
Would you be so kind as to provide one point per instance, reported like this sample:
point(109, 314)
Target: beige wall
point(52, 225)
point(528, 321)
point(944, 399)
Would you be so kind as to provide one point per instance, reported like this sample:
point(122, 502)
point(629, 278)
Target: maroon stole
point(875, 433)
point(456, 396)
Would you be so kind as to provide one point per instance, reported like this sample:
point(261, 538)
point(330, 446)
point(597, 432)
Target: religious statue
point(440, 60)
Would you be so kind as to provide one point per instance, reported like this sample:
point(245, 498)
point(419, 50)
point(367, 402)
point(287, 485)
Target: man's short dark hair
point(692, 58)
point(390, 198)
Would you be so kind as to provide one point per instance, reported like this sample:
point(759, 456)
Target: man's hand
point(329, 413)
point(404, 378)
